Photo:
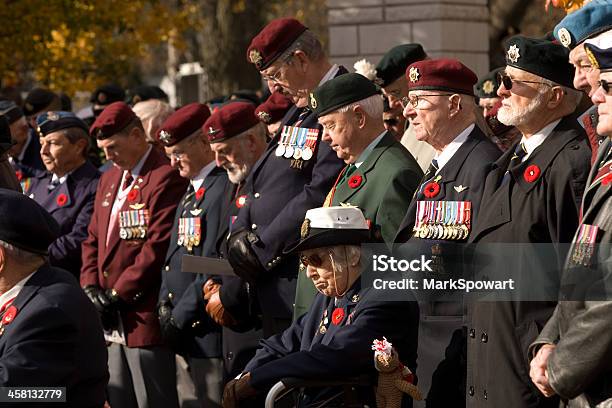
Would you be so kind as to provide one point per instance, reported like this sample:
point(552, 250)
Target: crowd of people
point(99, 209)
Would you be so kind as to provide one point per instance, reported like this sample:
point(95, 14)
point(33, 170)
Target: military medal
point(311, 142)
point(133, 223)
point(290, 146)
point(301, 141)
point(584, 248)
point(280, 150)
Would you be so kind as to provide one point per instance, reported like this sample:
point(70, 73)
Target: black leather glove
point(92, 292)
point(106, 305)
point(109, 300)
point(241, 256)
point(171, 333)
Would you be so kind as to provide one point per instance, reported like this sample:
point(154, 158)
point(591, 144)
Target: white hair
point(152, 114)
point(372, 106)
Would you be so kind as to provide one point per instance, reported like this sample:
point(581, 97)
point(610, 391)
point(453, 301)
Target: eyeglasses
point(507, 81)
point(605, 85)
point(276, 76)
point(176, 156)
point(414, 100)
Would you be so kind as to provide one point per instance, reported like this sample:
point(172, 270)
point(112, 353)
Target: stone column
point(368, 28)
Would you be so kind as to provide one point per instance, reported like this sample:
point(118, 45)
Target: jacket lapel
point(595, 192)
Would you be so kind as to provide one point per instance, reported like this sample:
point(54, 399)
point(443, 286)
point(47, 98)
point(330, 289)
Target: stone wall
point(368, 28)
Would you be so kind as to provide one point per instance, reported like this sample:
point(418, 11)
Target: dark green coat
point(382, 188)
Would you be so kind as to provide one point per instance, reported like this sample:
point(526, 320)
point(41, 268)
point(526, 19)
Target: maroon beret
point(230, 120)
point(113, 119)
point(182, 123)
point(274, 108)
point(443, 74)
point(273, 40)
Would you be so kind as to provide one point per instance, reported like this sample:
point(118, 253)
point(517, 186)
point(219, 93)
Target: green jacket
point(382, 187)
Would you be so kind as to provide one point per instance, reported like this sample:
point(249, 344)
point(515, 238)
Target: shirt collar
point(589, 112)
point(14, 291)
point(538, 138)
point(198, 180)
point(364, 155)
point(330, 74)
point(450, 150)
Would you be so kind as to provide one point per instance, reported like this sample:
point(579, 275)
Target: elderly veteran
point(561, 363)
point(486, 90)
point(293, 175)
point(273, 110)
point(380, 173)
point(184, 323)
point(67, 189)
point(587, 22)
point(532, 195)
point(390, 77)
point(50, 332)
point(123, 254)
point(152, 114)
point(40, 100)
point(237, 139)
point(7, 174)
point(333, 339)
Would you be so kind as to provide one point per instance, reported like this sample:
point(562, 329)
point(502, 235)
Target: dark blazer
point(544, 210)
point(342, 350)
point(55, 340)
point(577, 373)
point(73, 216)
point(31, 164)
point(278, 197)
point(184, 290)
point(8, 179)
point(133, 267)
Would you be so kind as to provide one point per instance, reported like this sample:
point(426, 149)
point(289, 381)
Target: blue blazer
point(73, 214)
point(55, 340)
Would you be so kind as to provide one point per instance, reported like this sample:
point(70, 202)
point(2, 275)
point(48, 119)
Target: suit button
point(170, 295)
point(229, 355)
point(167, 268)
point(484, 394)
point(484, 338)
point(256, 195)
point(472, 333)
point(471, 391)
point(254, 227)
point(105, 274)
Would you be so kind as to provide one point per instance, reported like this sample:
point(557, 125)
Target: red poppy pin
point(431, 189)
point(61, 200)
point(132, 195)
point(200, 193)
point(19, 175)
point(355, 181)
point(241, 201)
point(337, 316)
point(531, 173)
point(9, 315)
point(607, 180)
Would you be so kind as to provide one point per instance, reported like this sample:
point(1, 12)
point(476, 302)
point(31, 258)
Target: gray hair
point(75, 134)
point(372, 105)
point(259, 131)
point(21, 256)
point(308, 43)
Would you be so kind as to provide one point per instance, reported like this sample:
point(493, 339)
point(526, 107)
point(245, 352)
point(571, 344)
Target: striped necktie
point(517, 158)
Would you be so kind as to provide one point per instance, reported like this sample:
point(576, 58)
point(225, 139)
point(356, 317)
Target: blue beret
point(590, 20)
point(25, 224)
point(50, 122)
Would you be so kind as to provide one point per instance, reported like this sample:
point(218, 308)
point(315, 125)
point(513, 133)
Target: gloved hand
point(92, 292)
point(109, 300)
point(241, 256)
point(171, 333)
point(105, 306)
point(237, 390)
point(215, 309)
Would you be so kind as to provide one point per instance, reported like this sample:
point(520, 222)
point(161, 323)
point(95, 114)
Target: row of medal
point(584, 248)
point(297, 143)
point(189, 233)
point(443, 220)
point(133, 224)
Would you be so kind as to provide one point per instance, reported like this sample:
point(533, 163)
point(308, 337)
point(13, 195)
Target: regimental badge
point(414, 74)
point(265, 117)
point(29, 106)
point(488, 86)
point(305, 230)
point(101, 98)
point(212, 131)
point(591, 58)
point(460, 188)
point(313, 101)
point(564, 37)
point(52, 116)
point(164, 136)
point(379, 81)
point(513, 53)
point(255, 57)
point(99, 134)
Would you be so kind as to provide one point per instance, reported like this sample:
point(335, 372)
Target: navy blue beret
point(586, 22)
point(600, 58)
point(10, 111)
point(50, 122)
point(25, 224)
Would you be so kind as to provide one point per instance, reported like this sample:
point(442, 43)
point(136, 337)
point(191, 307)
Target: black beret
point(5, 135)
point(50, 122)
point(107, 94)
point(487, 86)
point(25, 224)
point(394, 63)
point(340, 91)
point(540, 57)
point(38, 99)
point(10, 111)
point(145, 92)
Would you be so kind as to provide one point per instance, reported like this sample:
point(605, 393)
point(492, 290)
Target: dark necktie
point(519, 153)
point(305, 112)
point(53, 184)
point(128, 180)
point(429, 174)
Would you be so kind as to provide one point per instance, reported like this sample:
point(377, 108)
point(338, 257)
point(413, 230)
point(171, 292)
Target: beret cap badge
point(264, 117)
point(305, 230)
point(313, 101)
point(565, 37)
point(164, 136)
point(255, 57)
point(414, 74)
point(488, 86)
point(101, 97)
point(52, 116)
point(212, 131)
point(513, 53)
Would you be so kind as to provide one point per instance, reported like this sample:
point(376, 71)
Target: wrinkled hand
point(241, 256)
point(237, 390)
point(538, 371)
point(215, 309)
point(171, 333)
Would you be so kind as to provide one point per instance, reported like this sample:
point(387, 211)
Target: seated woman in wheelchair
point(332, 341)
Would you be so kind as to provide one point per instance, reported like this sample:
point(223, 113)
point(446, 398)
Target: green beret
point(540, 57)
point(394, 63)
point(340, 91)
point(487, 86)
